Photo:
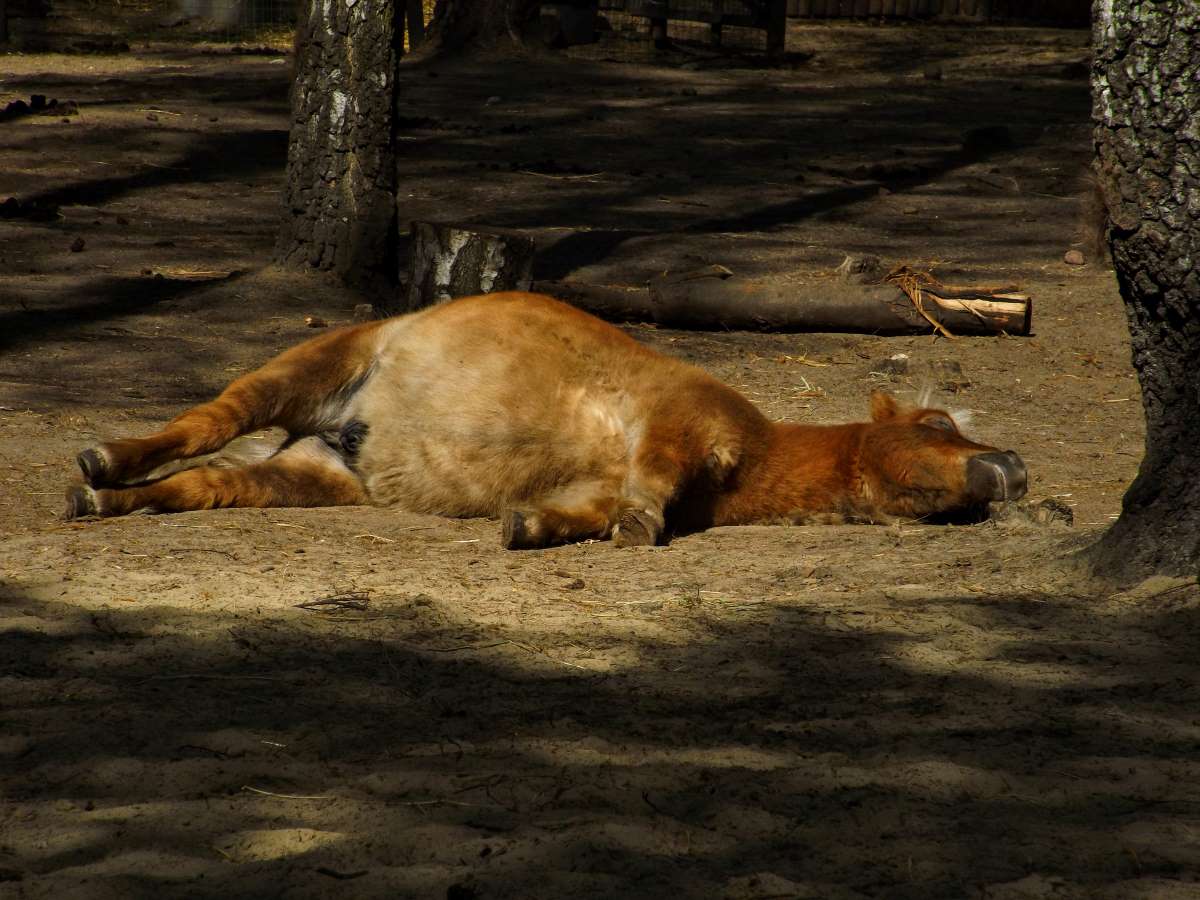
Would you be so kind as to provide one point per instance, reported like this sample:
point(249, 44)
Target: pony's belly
point(461, 480)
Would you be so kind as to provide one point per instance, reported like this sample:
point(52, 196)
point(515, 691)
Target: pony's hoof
point(81, 502)
point(93, 465)
point(636, 528)
point(519, 532)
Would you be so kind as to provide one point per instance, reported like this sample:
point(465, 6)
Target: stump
point(448, 261)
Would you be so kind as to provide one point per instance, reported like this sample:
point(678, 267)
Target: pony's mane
point(962, 416)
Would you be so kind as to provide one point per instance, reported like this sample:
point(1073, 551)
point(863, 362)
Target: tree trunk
point(1146, 93)
point(340, 198)
point(461, 24)
point(340, 194)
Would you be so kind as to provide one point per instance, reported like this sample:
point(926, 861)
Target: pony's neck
point(802, 469)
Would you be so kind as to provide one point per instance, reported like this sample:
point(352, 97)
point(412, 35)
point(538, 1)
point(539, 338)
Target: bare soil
point(825, 712)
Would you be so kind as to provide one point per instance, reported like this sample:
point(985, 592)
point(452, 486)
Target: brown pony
point(517, 406)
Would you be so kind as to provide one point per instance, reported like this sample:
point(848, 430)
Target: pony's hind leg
point(628, 506)
point(303, 390)
point(579, 511)
point(307, 473)
point(667, 460)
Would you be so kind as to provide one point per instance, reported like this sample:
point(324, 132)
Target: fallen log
point(713, 299)
point(448, 261)
point(616, 303)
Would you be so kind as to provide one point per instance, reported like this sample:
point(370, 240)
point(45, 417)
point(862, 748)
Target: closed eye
point(944, 423)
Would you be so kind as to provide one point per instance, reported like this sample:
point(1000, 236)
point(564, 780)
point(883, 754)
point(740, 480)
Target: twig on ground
point(254, 790)
point(341, 876)
point(804, 360)
point(210, 675)
point(562, 662)
point(580, 177)
point(526, 647)
point(350, 600)
point(375, 537)
point(1174, 590)
point(439, 802)
point(458, 648)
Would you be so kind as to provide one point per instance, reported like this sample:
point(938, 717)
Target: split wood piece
point(937, 302)
point(448, 261)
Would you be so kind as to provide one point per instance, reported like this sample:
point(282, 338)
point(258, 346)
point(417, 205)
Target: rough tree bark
point(1146, 98)
point(340, 208)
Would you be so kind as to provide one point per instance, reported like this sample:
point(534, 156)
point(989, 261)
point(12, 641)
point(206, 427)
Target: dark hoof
point(636, 528)
point(351, 438)
point(81, 502)
point(93, 465)
point(517, 534)
point(513, 536)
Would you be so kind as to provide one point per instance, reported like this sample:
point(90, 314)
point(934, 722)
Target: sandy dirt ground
point(760, 712)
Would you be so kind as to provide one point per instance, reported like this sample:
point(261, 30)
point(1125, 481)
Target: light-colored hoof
point(636, 528)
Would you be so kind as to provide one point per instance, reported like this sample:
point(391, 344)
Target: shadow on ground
point(623, 171)
point(797, 754)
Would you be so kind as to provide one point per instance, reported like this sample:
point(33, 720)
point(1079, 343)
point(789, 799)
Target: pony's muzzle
point(996, 476)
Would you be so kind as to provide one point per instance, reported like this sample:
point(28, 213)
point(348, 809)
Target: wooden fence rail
point(1065, 12)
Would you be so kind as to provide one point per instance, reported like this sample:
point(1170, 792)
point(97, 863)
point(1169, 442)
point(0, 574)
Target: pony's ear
point(883, 406)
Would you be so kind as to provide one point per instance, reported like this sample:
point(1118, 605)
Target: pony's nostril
point(996, 476)
point(1019, 478)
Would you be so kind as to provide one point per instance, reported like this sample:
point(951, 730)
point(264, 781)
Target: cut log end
point(447, 261)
